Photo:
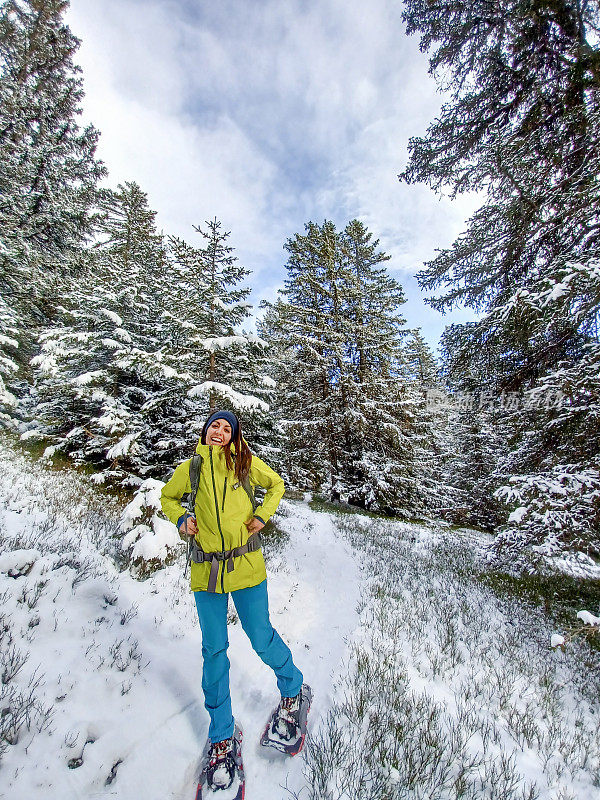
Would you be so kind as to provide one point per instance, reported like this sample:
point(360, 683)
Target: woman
point(226, 558)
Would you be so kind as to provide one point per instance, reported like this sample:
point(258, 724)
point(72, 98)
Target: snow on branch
point(6, 397)
point(8, 365)
point(112, 317)
point(588, 619)
point(88, 377)
point(552, 511)
point(590, 628)
point(566, 283)
point(8, 341)
point(213, 343)
point(254, 339)
point(146, 497)
point(150, 540)
point(123, 447)
point(245, 402)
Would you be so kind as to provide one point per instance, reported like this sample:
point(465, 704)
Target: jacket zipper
point(212, 472)
point(224, 491)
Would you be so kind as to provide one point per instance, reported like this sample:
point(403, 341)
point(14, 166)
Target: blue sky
point(268, 114)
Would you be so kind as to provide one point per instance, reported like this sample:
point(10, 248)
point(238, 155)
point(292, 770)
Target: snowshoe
point(222, 774)
point(286, 728)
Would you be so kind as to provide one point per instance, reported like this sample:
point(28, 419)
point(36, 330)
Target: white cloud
point(191, 169)
point(266, 115)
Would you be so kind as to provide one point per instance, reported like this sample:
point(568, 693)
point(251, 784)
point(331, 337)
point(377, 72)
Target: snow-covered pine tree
point(99, 367)
point(307, 328)
point(174, 416)
point(283, 379)
point(9, 346)
point(48, 174)
point(379, 452)
point(225, 309)
point(349, 405)
point(522, 124)
point(420, 361)
point(226, 366)
point(477, 435)
point(261, 419)
point(431, 434)
point(557, 431)
point(471, 466)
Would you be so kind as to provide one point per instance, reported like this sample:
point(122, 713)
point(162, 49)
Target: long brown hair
point(241, 461)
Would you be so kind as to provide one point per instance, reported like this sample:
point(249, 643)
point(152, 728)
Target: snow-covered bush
point(448, 690)
point(68, 647)
point(551, 512)
point(590, 628)
point(22, 711)
point(18, 562)
point(22, 707)
point(149, 541)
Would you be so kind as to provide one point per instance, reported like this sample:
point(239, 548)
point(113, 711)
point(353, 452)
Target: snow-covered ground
point(115, 663)
point(437, 679)
point(452, 689)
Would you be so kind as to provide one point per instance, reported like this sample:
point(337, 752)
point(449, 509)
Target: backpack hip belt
point(198, 556)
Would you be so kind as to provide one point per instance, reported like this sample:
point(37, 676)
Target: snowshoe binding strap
point(286, 721)
point(220, 770)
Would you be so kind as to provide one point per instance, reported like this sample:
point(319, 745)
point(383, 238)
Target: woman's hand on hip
point(254, 525)
point(188, 527)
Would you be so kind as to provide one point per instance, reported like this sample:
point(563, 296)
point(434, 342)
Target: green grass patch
point(560, 595)
point(33, 449)
point(319, 503)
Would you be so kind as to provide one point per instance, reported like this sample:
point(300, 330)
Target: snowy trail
point(121, 660)
point(313, 592)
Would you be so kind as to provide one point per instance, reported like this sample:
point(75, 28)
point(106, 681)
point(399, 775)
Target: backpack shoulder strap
point(195, 467)
point(249, 491)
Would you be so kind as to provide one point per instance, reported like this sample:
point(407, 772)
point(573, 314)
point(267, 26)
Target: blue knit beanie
point(229, 416)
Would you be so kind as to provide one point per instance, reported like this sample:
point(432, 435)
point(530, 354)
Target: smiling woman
point(227, 558)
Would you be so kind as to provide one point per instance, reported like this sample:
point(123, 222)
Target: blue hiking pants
point(253, 610)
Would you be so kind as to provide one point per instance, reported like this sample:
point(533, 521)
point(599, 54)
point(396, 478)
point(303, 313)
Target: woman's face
point(219, 432)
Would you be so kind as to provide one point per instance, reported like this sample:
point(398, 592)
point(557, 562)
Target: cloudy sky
point(268, 114)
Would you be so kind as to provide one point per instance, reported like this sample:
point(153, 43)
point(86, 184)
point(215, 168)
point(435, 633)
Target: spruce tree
point(225, 365)
point(380, 446)
point(226, 307)
point(101, 363)
point(9, 346)
point(478, 431)
point(432, 434)
point(48, 173)
point(310, 333)
point(287, 382)
point(522, 124)
point(472, 465)
point(420, 361)
point(351, 411)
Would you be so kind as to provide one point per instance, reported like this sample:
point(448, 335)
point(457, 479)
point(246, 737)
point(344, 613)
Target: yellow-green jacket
point(222, 508)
